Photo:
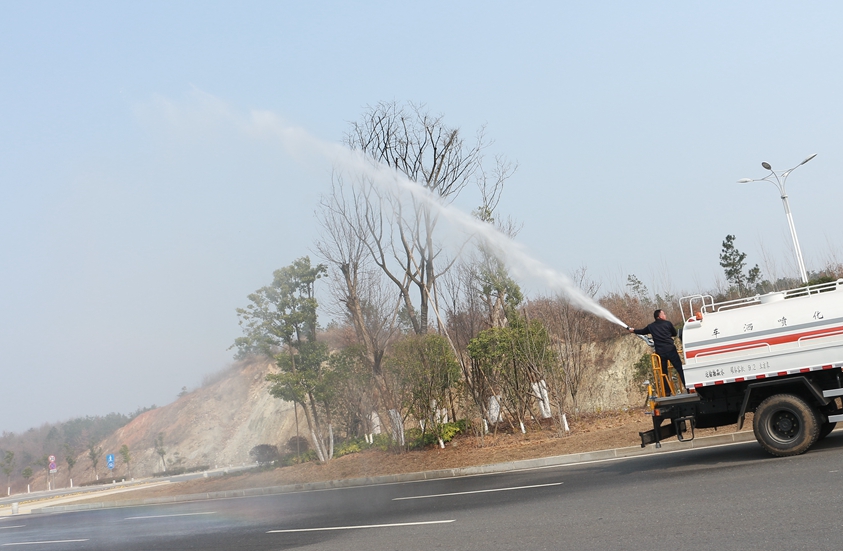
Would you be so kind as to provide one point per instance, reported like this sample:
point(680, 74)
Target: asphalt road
point(713, 499)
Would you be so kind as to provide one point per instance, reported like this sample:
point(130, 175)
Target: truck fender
point(812, 389)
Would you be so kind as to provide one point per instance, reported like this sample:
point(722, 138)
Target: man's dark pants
point(675, 361)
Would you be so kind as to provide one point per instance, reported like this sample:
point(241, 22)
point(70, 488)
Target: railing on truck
point(694, 305)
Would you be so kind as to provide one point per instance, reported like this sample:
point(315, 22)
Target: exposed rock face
point(614, 387)
point(215, 425)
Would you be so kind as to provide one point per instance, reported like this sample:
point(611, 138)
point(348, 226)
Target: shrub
point(447, 431)
point(264, 454)
point(302, 446)
point(290, 459)
point(643, 369)
point(350, 445)
point(381, 441)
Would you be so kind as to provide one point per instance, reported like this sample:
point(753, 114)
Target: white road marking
point(7, 527)
point(41, 542)
point(479, 491)
point(174, 515)
point(361, 526)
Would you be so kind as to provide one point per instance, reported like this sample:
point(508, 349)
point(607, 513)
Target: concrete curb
point(525, 464)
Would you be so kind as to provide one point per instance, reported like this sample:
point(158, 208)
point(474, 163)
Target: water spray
point(399, 186)
point(503, 247)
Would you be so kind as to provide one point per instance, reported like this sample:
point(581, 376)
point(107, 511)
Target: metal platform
point(678, 399)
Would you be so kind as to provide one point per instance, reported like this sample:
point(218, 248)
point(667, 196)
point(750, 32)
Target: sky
point(140, 201)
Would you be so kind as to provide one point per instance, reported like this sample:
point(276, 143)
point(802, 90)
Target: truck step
point(835, 418)
point(833, 392)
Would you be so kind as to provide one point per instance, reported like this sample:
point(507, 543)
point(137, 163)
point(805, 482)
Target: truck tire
point(784, 425)
point(825, 430)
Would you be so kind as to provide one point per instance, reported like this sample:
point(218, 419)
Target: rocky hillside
point(215, 425)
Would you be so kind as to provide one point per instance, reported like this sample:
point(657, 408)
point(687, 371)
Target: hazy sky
point(141, 203)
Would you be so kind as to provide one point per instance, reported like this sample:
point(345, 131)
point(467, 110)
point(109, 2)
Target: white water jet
point(390, 180)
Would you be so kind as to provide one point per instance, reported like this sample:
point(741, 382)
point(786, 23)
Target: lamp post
point(779, 179)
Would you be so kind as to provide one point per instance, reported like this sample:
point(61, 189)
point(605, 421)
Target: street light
point(779, 179)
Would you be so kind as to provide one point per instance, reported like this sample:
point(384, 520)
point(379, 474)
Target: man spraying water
point(663, 333)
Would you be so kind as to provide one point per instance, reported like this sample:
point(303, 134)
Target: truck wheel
point(785, 425)
point(825, 430)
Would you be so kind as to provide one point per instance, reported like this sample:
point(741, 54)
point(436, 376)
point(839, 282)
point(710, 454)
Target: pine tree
point(733, 262)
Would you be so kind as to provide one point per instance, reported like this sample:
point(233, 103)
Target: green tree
point(70, 457)
point(733, 262)
point(424, 370)
point(160, 450)
point(281, 323)
point(515, 362)
point(497, 290)
point(351, 381)
point(639, 290)
point(44, 462)
point(127, 458)
point(94, 454)
point(8, 466)
point(27, 474)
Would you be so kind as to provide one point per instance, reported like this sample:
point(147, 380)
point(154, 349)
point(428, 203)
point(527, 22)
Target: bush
point(291, 459)
point(447, 431)
point(302, 446)
point(350, 445)
point(264, 454)
point(643, 369)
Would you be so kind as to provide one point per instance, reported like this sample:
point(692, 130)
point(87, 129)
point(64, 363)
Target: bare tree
point(356, 286)
point(400, 235)
point(576, 334)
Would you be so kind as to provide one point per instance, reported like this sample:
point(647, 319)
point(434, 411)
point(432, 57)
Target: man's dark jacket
point(662, 332)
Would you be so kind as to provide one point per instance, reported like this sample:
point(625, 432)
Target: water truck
point(778, 356)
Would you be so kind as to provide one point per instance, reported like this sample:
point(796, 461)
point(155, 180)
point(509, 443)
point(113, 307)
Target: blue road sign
point(110, 460)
